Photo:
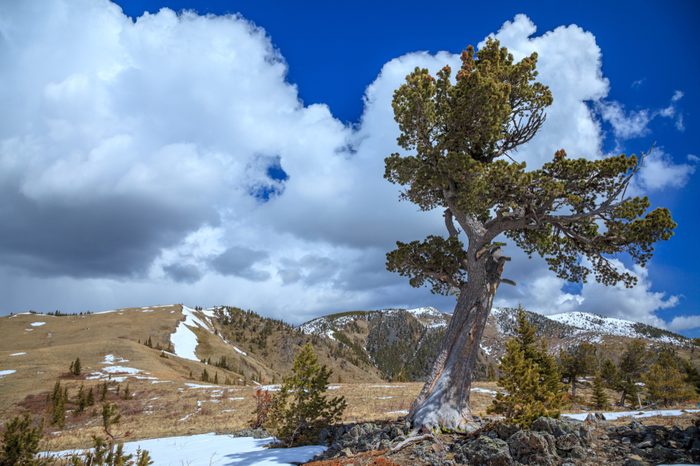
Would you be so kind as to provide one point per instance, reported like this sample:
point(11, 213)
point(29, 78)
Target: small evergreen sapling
point(75, 367)
point(58, 400)
point(600, 398)
point(301, 408)
point(530, 378)
point(20, 442)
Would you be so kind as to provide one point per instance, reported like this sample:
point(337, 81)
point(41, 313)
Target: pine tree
point(58, 416)
point(665, 381)
point(149, 343)
point(692, 375)
point(82, 400)
point(600, 398)
point(103, 394)
point(110, 416)
point(216, 378)
point(457, 133)
point(58, 399)
point(609, 374)
point(127, 394)
point(577, 361)
point(90, 397)
point(632, 364)
point(205, 375)
point(301, 408)
point(20, 442)
point(530, 378)
point(75, 367)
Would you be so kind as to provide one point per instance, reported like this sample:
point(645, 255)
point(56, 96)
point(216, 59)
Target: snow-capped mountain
point(403, 342)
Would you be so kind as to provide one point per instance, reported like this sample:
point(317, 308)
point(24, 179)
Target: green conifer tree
point(205, 375)
point(530, 378)
point(632, 364)
point(20, 442)
point(577, 361)
point(90, 397)
point(301, 408)
point(609, 374)
point(103, 393)
point(665, 381)
point(600, 398)
point(75, 367)
point(82, 400)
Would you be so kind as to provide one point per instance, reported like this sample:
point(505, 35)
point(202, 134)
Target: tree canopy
point(459, 135)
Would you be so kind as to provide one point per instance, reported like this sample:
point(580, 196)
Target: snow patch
point(197, 385)
point(612, 415)
point(37, 324)
point(239, 351)
point(484, 390)
point(270, 388)
point(5, 372)
point(22, 353)
point(184, 339)
point(218, 450)
point(401, 412)
point(120, 370)
point(111, 359)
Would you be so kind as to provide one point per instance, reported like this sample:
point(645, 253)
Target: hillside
point(402, 343)
point(240, 351)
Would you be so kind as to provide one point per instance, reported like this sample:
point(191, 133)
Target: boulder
point(485, 451)
point(530, 447)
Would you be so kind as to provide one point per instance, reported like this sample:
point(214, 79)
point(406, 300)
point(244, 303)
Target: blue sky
point(199, 245)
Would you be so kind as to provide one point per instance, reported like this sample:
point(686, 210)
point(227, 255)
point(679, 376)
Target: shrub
point(301, 409)
point(263, 401)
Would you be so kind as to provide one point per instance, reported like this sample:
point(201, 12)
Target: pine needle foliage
point(578, 361)
point(632, 364)
point(20, 442)
point(58, 399)
point(600, 398)
point(666, 382)
point(301, 408)
point(530, 378)
point(75, 367)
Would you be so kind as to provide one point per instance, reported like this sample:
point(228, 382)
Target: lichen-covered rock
point(568, 442)
point(530, 447)
point(484, 450)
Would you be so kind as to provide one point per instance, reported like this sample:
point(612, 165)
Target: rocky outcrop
point(547, 442)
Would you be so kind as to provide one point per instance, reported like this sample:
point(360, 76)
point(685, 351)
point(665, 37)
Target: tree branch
point(449, 223)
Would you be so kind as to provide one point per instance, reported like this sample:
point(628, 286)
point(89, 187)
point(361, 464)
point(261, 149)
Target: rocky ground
point(548, 442)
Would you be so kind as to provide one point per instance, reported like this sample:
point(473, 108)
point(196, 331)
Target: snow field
point(218, 450)
point(612, 415)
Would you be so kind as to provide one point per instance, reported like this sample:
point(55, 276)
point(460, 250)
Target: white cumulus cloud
point(137, 160)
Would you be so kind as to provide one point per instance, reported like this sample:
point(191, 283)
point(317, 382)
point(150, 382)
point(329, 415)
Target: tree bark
point(444, 399)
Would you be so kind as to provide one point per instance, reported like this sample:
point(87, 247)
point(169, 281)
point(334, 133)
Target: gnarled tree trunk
point(444, 399)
